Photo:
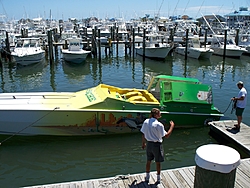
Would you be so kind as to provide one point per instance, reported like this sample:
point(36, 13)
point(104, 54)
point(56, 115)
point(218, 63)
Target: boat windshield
point(74, 44)
point(32, 44)
point(26, 44)
point(154, 85)
point(195, 43)
point(230, 41)
point(19, 44)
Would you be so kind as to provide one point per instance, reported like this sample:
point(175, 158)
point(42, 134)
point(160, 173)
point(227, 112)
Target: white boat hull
point(75, 56)
point(28, 59)
point(195, 52)
point(52, 113)
point(52, 122)
point(231, 51)
point(154, 52)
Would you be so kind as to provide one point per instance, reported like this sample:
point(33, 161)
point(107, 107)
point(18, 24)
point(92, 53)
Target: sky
point(127, 9)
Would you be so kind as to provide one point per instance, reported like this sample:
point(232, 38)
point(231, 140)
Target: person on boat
point(241, 102)
point(153, 133)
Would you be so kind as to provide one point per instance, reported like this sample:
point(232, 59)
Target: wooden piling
point(61, 29)
point(93, 43)
point(85, 31)
point(186, 44)
point(126, 48)
point(144, 43)
point(133, 33)
point(112, 33)
point(65, 44)
point(99, 45)
point(225, 44)
point(7, 44)
point(171, 38)
point(205, 38)
point(237, 37)
point(117, 40)
point(50, 44)
point(110, 46)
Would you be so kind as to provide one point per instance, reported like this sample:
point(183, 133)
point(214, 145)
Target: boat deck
point(174, 178)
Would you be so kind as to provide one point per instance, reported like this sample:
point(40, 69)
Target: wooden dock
point(174, 178)
point(241, 138)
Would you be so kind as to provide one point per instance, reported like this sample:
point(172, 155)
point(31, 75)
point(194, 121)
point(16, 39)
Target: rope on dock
point(106, 183)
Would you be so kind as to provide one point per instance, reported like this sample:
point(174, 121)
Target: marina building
point(238, 18)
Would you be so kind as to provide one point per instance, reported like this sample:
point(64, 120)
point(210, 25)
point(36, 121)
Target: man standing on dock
point(153, 132)
point(241, 102)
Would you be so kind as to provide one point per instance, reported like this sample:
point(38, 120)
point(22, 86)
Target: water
point(42, 160)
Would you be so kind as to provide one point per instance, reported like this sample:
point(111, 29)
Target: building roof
point(243, 11)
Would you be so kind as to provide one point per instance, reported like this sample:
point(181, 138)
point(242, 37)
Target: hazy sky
point(64, 9)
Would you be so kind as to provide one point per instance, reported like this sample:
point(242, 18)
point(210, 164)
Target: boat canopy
point(154, 84)
point(177, 89)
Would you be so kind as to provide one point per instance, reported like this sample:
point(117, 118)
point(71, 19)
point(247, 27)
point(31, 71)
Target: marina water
point(33, 160)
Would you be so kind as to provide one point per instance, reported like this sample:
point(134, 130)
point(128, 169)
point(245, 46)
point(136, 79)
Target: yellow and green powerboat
point(106, 109)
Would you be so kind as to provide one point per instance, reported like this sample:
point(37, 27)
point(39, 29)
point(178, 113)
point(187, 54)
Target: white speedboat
point(231, 49)
point(75, 53)
point(106, 109)
point(154, 47)
point(28, 51)
point(194, 49)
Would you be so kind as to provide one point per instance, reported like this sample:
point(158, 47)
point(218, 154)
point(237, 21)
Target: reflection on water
point(41, 160)
point(75, 72)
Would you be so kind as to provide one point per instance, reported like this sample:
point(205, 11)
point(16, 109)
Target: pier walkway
point(174, 178)
point(240, 138)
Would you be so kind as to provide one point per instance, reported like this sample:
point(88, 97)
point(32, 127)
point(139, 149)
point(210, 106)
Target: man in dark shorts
point(241, 102)
point(153, 132)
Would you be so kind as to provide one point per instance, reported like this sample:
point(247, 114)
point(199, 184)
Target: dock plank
point(175, 179)
point(186, 177)
point(192, 171)
point(180, 178)
point(244, 167)
point(189, 174)
point(167, 180)
point(241, 179)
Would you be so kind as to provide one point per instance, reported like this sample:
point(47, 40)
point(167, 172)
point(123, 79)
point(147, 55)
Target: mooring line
point(28, 126)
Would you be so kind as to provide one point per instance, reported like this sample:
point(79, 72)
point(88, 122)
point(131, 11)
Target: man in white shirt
point(153, 132)
point(241, 102)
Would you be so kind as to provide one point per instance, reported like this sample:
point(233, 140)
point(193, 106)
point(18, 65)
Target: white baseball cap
point(240, 83)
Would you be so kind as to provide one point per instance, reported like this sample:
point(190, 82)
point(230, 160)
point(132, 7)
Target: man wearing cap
point(153, 132)
point(241, 102)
